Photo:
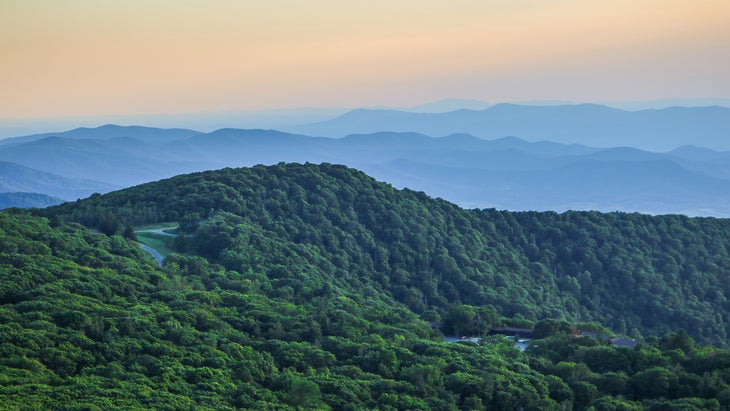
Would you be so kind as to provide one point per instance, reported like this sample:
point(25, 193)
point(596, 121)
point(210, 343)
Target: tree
point(549, 326)
point(654, 382)
point(460, 320)
point(189, 222)
point(303, 393)
point(129, 233)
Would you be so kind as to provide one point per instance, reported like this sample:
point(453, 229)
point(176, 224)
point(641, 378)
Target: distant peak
point(386, 134)
point(450, 105)
point(511, 139)
point(246, 131)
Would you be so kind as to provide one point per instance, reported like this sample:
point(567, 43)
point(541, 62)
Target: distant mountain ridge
point(110, 131)
point(17, 178)
point(451, 104)
point(506, 173)
point(27, 200)
point(587, 124)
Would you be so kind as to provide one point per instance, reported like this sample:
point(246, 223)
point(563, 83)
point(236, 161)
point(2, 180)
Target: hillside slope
point(634, 273)
point(302, 288)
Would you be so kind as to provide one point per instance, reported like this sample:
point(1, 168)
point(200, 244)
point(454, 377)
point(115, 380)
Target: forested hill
point(310, 287)
point(320, 229)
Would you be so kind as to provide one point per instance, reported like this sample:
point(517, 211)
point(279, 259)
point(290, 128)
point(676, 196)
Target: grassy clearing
point(149, 235)
point(156, 241)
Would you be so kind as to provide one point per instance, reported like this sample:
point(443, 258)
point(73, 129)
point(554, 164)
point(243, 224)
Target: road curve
point(160, 231)
point(152, 251)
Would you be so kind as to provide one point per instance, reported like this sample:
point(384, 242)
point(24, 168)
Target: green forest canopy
point(636, 274)
point(307, 286)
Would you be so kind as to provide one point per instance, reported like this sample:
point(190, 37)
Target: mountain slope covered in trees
point(635, 273)
point(309, 287)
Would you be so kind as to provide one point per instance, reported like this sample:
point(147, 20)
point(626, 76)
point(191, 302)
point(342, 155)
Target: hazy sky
point(100, 57)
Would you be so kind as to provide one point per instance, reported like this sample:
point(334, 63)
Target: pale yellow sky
point(101, 57)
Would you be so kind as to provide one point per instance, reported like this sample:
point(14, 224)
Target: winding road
point(160, 231)
point(152, 251)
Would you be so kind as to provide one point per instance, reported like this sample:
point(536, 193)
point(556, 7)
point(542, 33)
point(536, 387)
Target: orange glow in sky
point(90, 57)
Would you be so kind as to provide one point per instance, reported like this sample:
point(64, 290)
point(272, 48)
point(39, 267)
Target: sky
point(108, 57)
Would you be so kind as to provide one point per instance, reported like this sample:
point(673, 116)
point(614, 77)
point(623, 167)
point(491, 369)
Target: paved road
point(151, 250)
point(160, 231)
point(154, 253)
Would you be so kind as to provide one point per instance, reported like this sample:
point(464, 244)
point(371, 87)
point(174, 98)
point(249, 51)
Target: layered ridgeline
point(307, 287)
point(590, 124)
point(505, 173)
point(27, 200)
